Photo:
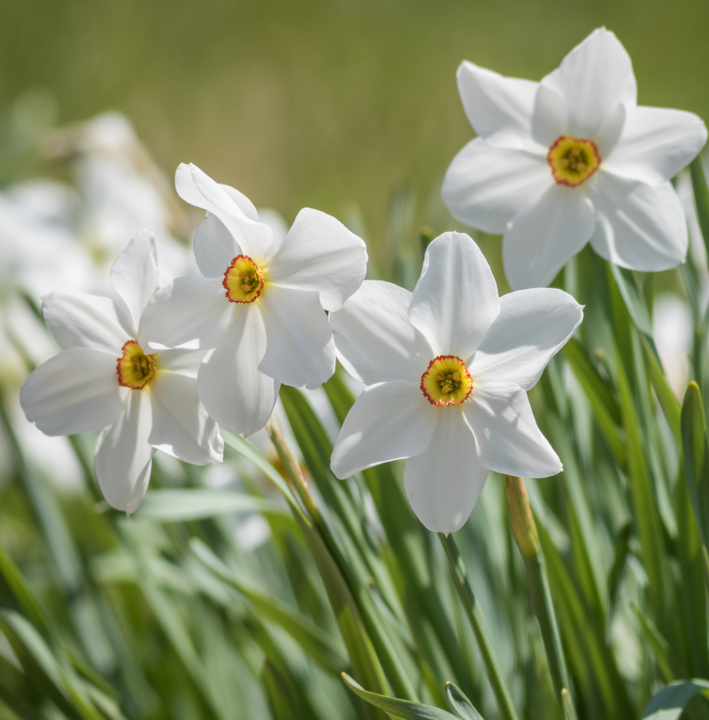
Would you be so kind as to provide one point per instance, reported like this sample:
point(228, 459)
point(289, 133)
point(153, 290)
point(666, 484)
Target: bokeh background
point(323, 103)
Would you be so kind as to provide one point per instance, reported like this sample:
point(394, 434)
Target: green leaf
point(603, 401)
point(567, 705)
point(660, 646)
point(309, 636)
point(668, 402)
point(669, 703)
point(15, 594)
point(184, 505)
point(247, 450)
point(396, 708)
point(460, 704)
point(701, 197)
point(696, 456)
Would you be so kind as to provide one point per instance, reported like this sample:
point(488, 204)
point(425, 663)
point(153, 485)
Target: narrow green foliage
point(460, 704)
point(670, 702)
point(701, 197)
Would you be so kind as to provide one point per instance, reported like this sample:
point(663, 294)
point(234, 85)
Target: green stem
point(479, 626)
point(391, 664)
point(525, 532)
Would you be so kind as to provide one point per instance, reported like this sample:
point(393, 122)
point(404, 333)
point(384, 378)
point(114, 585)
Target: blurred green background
point(323, 102)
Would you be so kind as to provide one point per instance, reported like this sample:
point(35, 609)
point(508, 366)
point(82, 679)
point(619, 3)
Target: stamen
point(135, 369)
point(573, 160)
point(243, 280)
point(446, 381)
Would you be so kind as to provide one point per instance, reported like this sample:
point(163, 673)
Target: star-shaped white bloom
point(570, 160)
point(447, 368)
point(261, 303)
point(105, 380)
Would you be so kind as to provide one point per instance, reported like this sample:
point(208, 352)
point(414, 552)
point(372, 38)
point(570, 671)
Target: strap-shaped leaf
point(460, 704)
point(670, 702)
point(396, 708)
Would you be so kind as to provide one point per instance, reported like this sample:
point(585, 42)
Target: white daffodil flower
point(447, 368)
point(261, 303)
point(104, 380)
point(570, 160)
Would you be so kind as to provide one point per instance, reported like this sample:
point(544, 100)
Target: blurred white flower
point(570, 160)
point(447, 367)
point(103, 380)
point(261, 302)
point(673, 333)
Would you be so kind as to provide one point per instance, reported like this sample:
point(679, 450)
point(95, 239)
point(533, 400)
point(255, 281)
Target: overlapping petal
point(181, 425)
point(486, 186)
point(232, 388)
point(80, 320)
point(549, 119)
point(444, 482)
point(540, 240)
point(73, 392)
point(389, 421)
point(134, 275)
point(533, 325)
point(593, 79)
point(506, 433)
point(123, 455)
point(190, 311)
point(656, 144)
point(198, 189)
point(300, 350)
point(374, 338)
point(455, 300)
point(320, 253)
point(638, 226)
point(499, 108)
point(214, 248)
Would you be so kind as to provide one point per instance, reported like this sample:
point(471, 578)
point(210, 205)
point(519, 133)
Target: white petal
point(81, 320)
point(198, 189)
point(533, 325)
point(73, 392)
point(550, 119)
point(214, 248)
point(444, 482)
point(124, 456)
point(300, 351)
point(232, 388)
point(374, 338)
point(189, 310)
point(610, 132)
point(320, 253)
point(499, 108)
point(594, 78)
point(388, 421)
point(486, 186)
point(455, 300)
point(638, 226)
point(181, 425)
point(134, 275)
point(656, 144)
point(540, 240)
point(185, 362)
point(506, 433)
point(245, 205)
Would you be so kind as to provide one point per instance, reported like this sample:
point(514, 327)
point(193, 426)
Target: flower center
point(243, 280)
point(135, 369)
point(446, 381)
point(573, 161)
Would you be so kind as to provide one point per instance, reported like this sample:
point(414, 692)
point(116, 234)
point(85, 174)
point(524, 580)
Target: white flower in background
point(570, 160)
point(104, 380)
point(673, 331)
point(447, 368)
point(261, 303)
point(121, 190)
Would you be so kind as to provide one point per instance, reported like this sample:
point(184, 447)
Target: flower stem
point(479, 626)
point(525, 532)
point(385, 651)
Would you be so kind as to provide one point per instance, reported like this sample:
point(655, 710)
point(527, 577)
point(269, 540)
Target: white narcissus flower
point(261, 303)
point(570, 160)
point(447, 368)
point(104, 380)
